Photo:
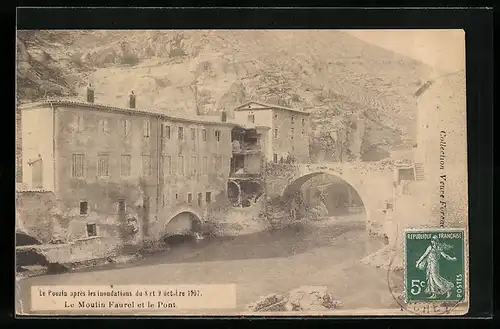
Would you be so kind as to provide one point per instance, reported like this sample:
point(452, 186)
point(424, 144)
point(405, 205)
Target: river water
point(320, 253)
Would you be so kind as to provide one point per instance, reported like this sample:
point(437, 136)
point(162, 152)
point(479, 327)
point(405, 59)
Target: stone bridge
point(181, 219)
point(372, 181)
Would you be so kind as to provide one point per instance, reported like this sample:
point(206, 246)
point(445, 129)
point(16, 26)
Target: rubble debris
point(312, 298)
point(270, 303)
point(121, 259)
point(384, 258)
point(305, 298)
point(23, 272)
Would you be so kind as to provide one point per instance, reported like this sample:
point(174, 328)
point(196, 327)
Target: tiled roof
point(32, 190)
point(423, 88)
point(443, 77)
point(152, 111)
point(240, 107)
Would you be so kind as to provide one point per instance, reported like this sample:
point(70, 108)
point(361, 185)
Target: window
point(125, 164)
point(208, 197)
point(275, 158)
point(126, 127)
point(77, 167)
point(291, 133)
point(180, 133)
point(180, 164)
point(303, 121)
point(193, 134)
point(200, 199)
point(204, 133)
point(193, 164)
point(91, 230)
point(292, 118)
point(275, 116)
point(103, 165)
point(217, 135)
point(121, 205)
point(161, 167)
point(84, 207)
point(217, 163)
point(204, 166)
point(37, 173)
point(303, 132)
point(406, 174)
point(79, 123)
point(173, 166)
point(166, 132)
point(103, 126)
point(190, 197)
point(165, 197)
point(146, 128)
point(146, 165)
point(275, 133)
point(251, 118)
point(168, 165)
point(176, 196)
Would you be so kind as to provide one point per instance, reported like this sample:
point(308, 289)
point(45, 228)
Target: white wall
point(37, 139)
point(262, 117)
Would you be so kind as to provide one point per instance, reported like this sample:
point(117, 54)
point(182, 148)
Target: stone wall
point(36, 216)
point(292, 137)
point(441, 198)
point(372, 182)
point(442, 148)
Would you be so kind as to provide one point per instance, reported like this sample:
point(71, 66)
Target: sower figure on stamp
point(436, 284)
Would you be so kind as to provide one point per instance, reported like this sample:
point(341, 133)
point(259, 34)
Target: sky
point(440, 49)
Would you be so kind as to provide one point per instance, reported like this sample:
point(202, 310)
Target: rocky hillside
point(326, 72)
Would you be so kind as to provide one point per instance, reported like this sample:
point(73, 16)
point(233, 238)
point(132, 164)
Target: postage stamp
point(434, 265)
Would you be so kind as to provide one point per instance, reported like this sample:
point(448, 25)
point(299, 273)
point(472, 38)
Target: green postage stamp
point(434, 265)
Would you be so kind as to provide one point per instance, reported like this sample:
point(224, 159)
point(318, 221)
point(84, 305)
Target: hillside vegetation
point(329, 73)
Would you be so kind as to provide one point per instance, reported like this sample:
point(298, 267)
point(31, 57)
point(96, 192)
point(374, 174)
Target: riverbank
point(266, 268)
point(184, 246)
point(259, 264)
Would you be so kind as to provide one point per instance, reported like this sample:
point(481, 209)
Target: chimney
point(132, 100)
point(90, 93)
point(223, 116)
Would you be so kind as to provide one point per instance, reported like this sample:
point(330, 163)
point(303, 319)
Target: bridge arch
point(25, 239)
point(355, 182)
point(234, 192)
point(182, 221)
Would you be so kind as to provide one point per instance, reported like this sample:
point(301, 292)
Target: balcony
point(244, 174)
point(245, 148)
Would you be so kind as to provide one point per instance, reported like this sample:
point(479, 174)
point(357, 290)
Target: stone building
point(441, 148)
point(120, 174)
point(96, 177)
point(430, 186)
point(288, 133)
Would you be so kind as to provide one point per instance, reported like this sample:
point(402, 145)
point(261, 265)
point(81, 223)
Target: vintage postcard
point(241, 172)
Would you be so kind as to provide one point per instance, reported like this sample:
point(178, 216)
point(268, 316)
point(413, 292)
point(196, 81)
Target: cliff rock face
point(326, 72)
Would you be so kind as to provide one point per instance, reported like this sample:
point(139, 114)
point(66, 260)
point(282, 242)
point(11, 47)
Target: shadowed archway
point(23, 239)
point(294, 187)
point(183, 222)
